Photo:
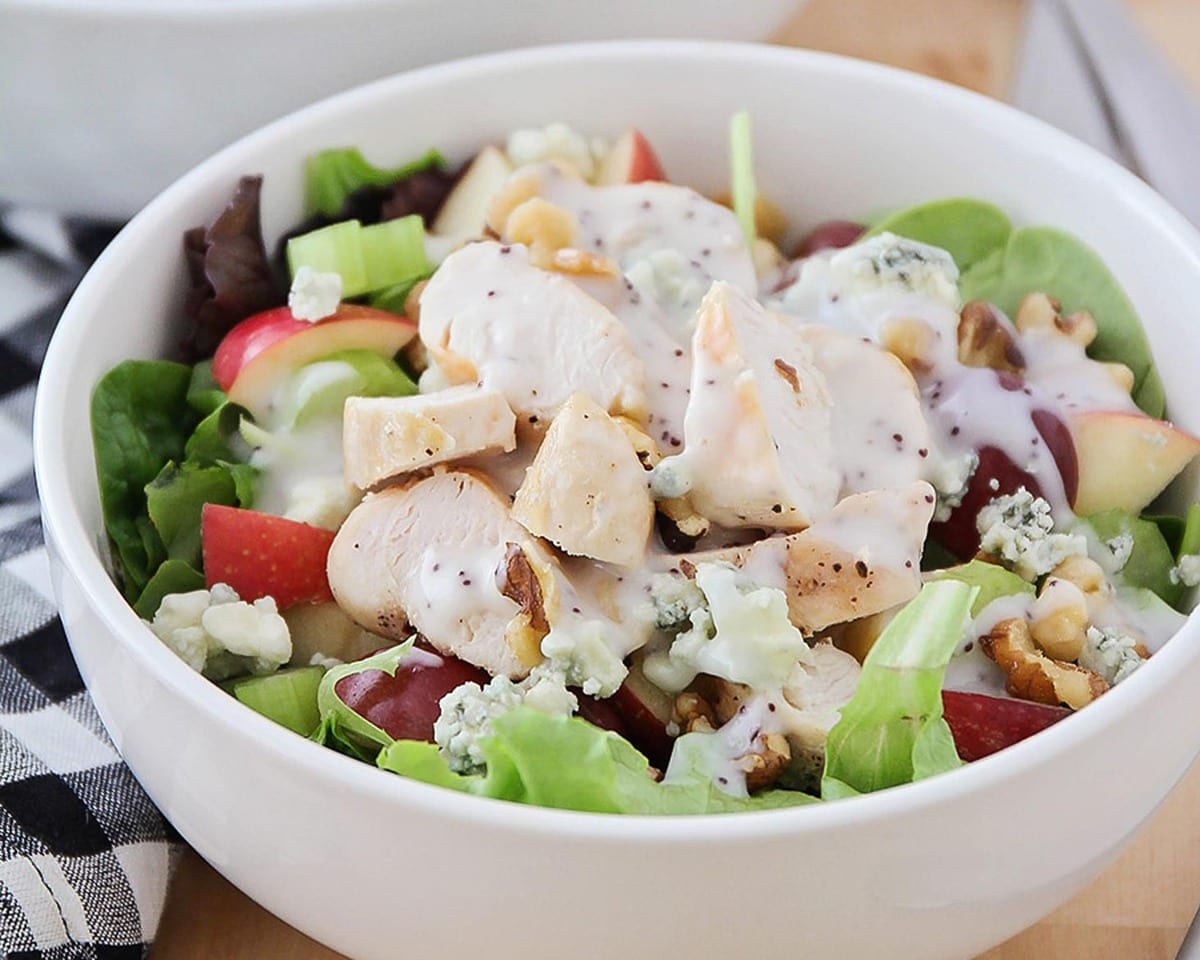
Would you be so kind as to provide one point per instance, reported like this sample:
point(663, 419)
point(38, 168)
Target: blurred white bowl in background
point(105, 102)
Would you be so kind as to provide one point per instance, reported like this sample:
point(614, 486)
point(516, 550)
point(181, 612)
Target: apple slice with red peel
point(406, 705)
point(263, 350)
point(1126, 459)
point(261, 555)
point(464, 211)
point(631, 160)
point(983, 725)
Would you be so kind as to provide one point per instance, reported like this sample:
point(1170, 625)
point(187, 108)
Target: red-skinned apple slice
point(261, 555)
point(997, 475)
point(983, 725)
point(406, 705)
point(264, 349)
point(830, 235)
point(631, 160)
point(1126, 459)
point(464, 211)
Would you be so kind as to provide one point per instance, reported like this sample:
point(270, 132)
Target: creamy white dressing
point(636, 221)
point(458, 584)
point(1060, 368)
point(973, 407)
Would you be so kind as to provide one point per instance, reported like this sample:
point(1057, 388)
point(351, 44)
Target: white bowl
point(375, 865)
point(105, 102)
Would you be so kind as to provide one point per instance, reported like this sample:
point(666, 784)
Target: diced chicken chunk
point(489, 315)
point(758, 430)
point(383, 437)
point(860, 558)
point(443, 557)
point(586, 491)
point(882, 436)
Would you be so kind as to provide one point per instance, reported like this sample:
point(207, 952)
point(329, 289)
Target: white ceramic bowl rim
point(65, 524)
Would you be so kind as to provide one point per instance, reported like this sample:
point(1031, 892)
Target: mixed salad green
point(549, 480)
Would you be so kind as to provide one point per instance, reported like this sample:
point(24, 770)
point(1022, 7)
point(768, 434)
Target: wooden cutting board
point(1141, 907)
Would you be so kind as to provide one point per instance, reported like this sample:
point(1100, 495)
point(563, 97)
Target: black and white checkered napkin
point(84, 855)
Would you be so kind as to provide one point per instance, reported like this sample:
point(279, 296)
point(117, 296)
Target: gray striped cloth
point(84, 855)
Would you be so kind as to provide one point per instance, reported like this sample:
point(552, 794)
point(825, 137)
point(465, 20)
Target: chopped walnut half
point(986, 339)
point(1039, 311)
point(1031, 675)
point(715, 704)
point(693, 713)
point(517, 580)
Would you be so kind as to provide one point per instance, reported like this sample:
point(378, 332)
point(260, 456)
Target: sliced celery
point(337, 248)
point(332, 175)
point(371, 258)
point(288, 697)
point(394, 252)
point(741, 168)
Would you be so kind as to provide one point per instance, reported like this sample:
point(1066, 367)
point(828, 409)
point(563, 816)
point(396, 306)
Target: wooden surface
point(1140, 908)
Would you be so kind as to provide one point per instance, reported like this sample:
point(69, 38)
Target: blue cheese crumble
point(556, 141)
point(739, 634)
point(1187, 570)
point(314, 295)
point(583, 650)
point(889, 262)
point(468, 710)
point(219, 635)
point(1110, 654)
point(1018, 528)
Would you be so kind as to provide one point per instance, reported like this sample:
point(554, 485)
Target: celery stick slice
point(288, 697)
point(337, 248)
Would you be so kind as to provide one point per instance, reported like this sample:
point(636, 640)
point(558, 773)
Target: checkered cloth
point(84, 855)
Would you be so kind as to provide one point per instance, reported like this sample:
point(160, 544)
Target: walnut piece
point(1039, 311)
point(1031, 675)
point(583, 263)
point(986, 339)
point(1059, 620)
point(517, 580)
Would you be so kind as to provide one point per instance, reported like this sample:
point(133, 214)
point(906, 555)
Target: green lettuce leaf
point(967, 229)
point(990, 580)
point(338, 721)
point(1189, 540)
point(567, 763)
point(1054, 262)
point(332, 175)
point(892, 730)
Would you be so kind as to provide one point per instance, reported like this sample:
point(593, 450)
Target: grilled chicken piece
point(860, 558)
point(383, 437)
point(882, 436)
point(444, 556)
point(758, 429)
point(586, 491)
point(489, 315)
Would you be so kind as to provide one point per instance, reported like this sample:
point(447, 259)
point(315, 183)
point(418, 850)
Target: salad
point(551, 480)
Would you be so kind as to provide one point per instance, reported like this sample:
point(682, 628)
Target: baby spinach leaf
point(140, 420)
point(967, 229)
point(1150, 557)
point(204, 396)
point(1043, 259)
point(173, 576)
point(174, 500)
